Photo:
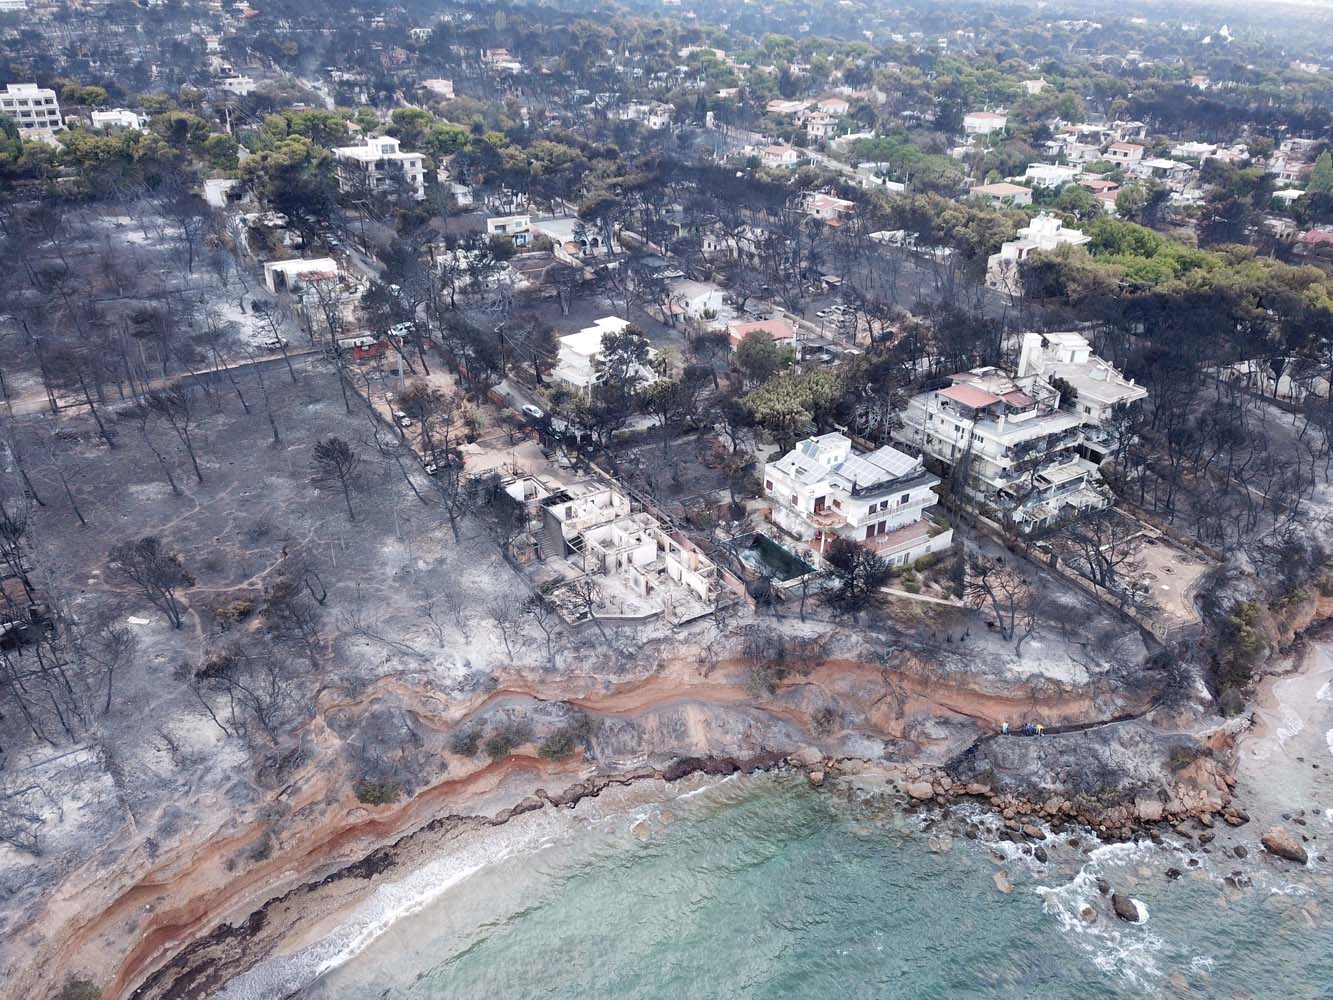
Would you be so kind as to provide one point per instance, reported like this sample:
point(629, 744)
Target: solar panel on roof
point(892, 461)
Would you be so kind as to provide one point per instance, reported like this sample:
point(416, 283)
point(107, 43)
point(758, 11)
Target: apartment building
point(374, 165)
point(1010, 446)
point(825, 489)
point(1098, 393)
point(31, 106)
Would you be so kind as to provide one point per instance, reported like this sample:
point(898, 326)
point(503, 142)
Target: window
point(837, 504)
point(904, 498)
point(768, 485)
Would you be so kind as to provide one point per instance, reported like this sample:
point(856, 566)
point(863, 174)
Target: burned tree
point(177, 407)
point(853, 577)
point(1007, 593)
point(337, 465)
point(155, 570)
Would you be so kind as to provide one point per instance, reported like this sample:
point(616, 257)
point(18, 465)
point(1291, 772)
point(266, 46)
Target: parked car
point(274, 344)
point(401, 419)
point(535, 412)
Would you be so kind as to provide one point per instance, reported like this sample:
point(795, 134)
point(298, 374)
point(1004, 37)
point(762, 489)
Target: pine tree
point(1321, 177)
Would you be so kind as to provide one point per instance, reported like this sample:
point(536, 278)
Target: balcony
point(905, 538)
point(826, 518)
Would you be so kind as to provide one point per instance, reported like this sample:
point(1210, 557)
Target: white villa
point(373, 165)
point(576, 363)
point(118, 118)
point(824, 489)
point(1043, 234)
point(517, 228)
point(984, 122)
point(290, 275)
point(780, 157)
point(1100, 392)
point(1052, 175)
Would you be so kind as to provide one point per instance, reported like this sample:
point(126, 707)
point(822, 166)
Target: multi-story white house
point(984, 122)
point(823, 489)
point(821, 126)
point(1123, 153)
point(1052, 175)
point(1010, 446)
point(780, 157)
point(31, 106)
point(1043, 234)
point(576, 362)
point(517, 228)
point(1097, 393)
point(374, 165)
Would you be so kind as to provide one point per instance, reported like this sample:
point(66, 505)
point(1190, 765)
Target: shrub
point(825, 719)
point(465, 742)
point(506, 738)
point(1184, 757)
point(378, 793)
point(263, 849)
point(912, 586)
point(558, 745)
point(925, 562)
point(79, 988)
point(236, 611)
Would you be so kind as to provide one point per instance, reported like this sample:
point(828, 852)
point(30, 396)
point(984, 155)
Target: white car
point(401, 419)
point(274, 344)
point(534, 412)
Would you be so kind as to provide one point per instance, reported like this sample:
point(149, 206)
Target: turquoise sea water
point(762, 887)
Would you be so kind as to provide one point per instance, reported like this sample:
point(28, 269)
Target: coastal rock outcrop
point(1284, 844)
point(920, 790)
point(1126, 908)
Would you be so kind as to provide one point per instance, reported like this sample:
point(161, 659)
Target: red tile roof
point(970, 395)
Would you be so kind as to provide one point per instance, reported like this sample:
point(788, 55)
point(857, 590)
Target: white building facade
point(118, 118)
point(576, 362)
point(1098, 394)
point(31, 106)
point(1042, 235)
point(374, 165)
point(824, 489)
point(1012, 449)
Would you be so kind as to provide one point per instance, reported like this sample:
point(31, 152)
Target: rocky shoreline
point(1028, 785)
point(1191, 814)
point(197, 971)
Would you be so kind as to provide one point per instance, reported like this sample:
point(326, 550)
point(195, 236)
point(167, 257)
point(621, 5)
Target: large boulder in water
point(1284, 844)
point(920, 790)
point(1125, 908)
